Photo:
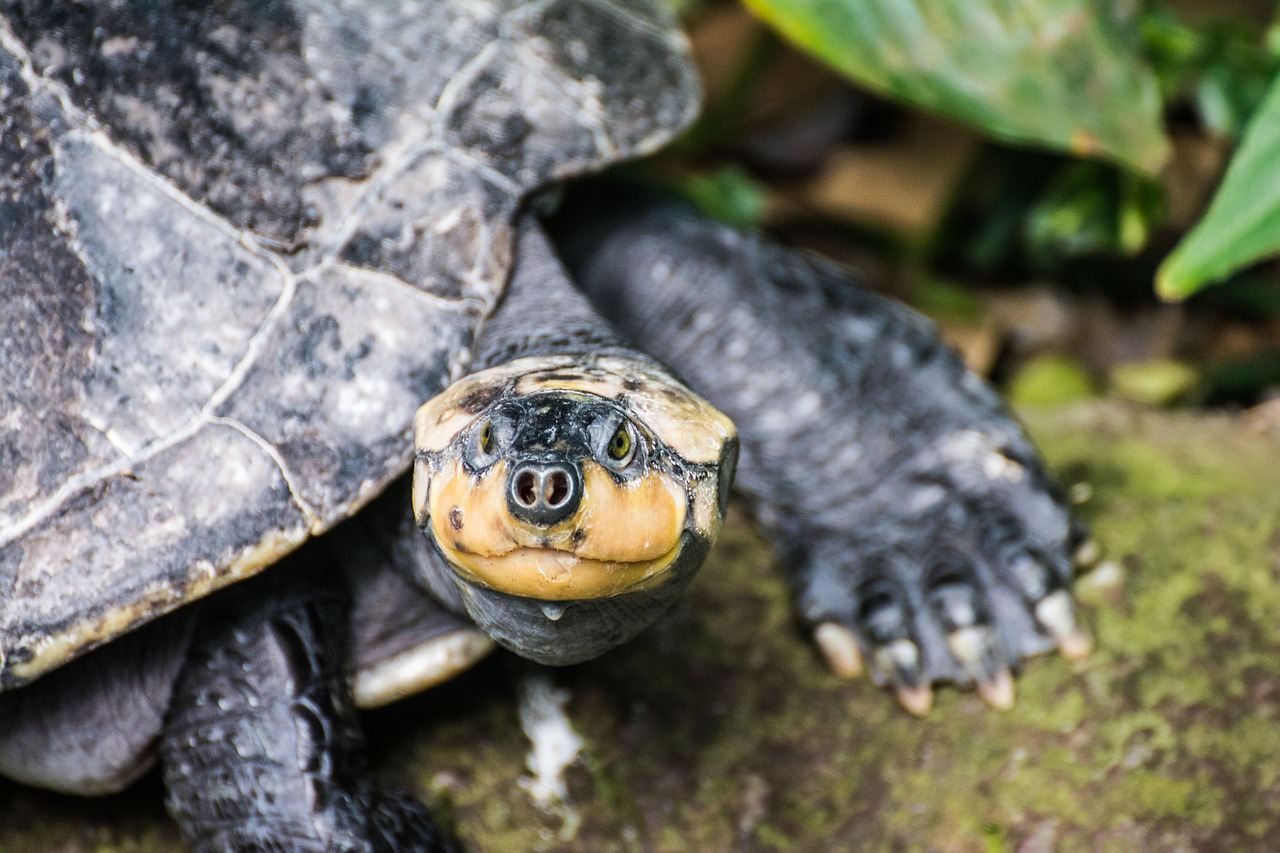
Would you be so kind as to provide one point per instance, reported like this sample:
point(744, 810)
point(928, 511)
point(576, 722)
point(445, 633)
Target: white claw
point(970, 646)
point(840, 648)
point(916, 700)
point(1056, 612)
point(899, 655)
point(553, 611)
point(998, 692)
point(1087, 554)
point(903, 656)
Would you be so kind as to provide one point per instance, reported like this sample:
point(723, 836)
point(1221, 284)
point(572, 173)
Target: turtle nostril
point(526, 489)
point(557, 489)
point(544, 493)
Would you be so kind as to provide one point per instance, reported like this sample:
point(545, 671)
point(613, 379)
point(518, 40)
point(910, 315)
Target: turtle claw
point(916, 700)
point(839, 647)
point(1056, 613)
point(997, 690)
point(978, 651)
point(1087, 553)
point(898, 662)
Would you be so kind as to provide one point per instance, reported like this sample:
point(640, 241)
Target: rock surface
point(720, 730)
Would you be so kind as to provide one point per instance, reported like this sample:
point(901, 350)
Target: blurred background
point(1085, 196)
point(1020, 172)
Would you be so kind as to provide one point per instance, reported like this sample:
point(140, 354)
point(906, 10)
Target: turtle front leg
point(919, 528)
point(261, 748)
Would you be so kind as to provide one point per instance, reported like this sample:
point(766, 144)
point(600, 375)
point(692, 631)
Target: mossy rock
point(720, 730)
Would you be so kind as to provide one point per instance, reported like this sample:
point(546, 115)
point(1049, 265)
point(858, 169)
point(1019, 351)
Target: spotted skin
point(903, 499)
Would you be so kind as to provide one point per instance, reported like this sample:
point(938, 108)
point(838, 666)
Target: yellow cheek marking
point(622, 536)
point(638, 520)
point(558, 575)
point(479, 508)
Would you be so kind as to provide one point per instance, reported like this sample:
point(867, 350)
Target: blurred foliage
point(1051, 380)
point(1063, 73)
point(1082, 77)
point(1223, 68)
point(1242, 224)
point(728, 194)
point(1068, 107)
point(1048, 209)
point(1090, 207)
point(1156, 383)
point(1241, 377)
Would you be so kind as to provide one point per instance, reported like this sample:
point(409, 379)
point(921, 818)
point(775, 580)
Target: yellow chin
point(554, 575)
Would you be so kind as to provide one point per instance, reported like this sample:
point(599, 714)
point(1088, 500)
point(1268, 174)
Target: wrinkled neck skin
point(543, 314)
point(522, 583)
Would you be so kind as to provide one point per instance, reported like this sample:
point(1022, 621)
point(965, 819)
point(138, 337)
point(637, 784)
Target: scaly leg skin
point(919, 528)
point(261, 746)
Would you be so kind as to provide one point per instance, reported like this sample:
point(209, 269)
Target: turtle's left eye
point(486, 438)
point(622, 445)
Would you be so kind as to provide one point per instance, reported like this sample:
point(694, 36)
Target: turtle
point(261, 259)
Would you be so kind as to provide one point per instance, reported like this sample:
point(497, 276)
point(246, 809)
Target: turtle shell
point(241, 244)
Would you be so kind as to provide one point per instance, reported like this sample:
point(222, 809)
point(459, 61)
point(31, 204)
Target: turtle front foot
point(958, 569)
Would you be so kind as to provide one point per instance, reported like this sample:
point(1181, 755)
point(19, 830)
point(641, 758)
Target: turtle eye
point(486, 443)
point(622, 446)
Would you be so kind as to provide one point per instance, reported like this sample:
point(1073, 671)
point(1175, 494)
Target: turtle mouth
point(557, 632)
point(620, 537)
point(552, 574)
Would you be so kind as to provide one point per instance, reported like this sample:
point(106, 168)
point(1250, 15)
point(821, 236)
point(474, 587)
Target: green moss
point(1051, 380)
point(1159, 382)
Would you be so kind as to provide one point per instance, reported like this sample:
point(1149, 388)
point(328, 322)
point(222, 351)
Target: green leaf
point(1061, 73)
point(1242, 224)
point(727, 194)
point(1093, 207)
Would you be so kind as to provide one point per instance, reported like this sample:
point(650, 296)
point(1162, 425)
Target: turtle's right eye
point(487, 442)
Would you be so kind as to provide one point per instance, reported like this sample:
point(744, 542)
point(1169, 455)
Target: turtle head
point(571, 501)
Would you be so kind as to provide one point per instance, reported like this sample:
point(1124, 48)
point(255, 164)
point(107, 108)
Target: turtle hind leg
point(91, 726)
point(261, 748)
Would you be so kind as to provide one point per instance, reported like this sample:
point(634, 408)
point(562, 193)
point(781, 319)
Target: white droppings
point(554, 745)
